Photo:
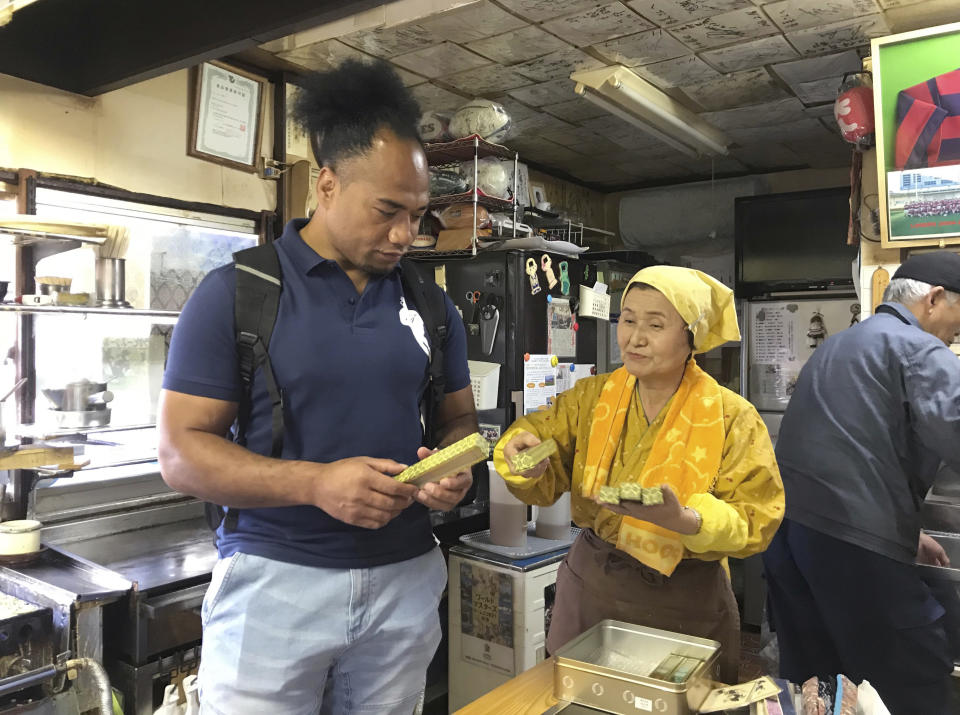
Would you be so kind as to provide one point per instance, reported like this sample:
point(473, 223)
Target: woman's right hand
point(522, 441)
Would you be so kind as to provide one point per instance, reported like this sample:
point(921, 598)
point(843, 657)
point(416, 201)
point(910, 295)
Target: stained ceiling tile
point(710, 166)
point(799, 14)
point(486, 80)
point(821, 110)
point(666, 13)
point(572, 138)
point(595, 148)
point(823, 154)
point(676, 73)
point(575, 110)
point(322, 55)
point(471, 22)
point(544, 93)
point(598, 24)
point(751, 54)
point(557, 65)
point(517, 110)
point(768, 157)
point(839, 35)
point(433, 98)
point(540, 10)
point(747, 87)
point(887, 4)
point(756, 115)
point(391, 41)
point(644, 48)
point(518, 46)
point(726, 29)
point(817, 91)
point(798, 129)
point(812, 68)
point(440, 60)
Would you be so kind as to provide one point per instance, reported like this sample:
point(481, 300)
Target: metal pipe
point(14, 683)
point(99, 677)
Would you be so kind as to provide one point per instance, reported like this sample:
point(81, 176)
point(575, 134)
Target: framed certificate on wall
point(226, 116)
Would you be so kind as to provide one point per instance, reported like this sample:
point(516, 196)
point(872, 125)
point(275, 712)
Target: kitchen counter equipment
point(944, 583)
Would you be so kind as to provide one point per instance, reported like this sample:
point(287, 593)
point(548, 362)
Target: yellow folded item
point(448, 461)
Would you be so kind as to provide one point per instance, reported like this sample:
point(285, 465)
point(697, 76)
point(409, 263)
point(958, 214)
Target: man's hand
point(523, 441)
point(361, 491)
point(669, 515)
point(930, 552)
point(448, 492)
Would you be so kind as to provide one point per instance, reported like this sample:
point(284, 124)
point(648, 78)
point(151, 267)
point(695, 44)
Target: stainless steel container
point(944, 583)
point(110, 276)
point(609, 668)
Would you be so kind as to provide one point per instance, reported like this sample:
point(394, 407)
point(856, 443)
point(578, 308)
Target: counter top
point(530, 693)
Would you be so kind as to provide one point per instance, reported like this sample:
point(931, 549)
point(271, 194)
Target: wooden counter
point(530, 693)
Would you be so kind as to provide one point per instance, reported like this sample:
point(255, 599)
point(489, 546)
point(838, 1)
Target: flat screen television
point(793, 242)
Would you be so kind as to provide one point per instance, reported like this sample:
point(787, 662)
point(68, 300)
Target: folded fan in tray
point(448, 461)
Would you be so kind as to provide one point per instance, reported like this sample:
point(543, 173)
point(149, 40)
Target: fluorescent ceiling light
point(621, 92)
point(8, 7)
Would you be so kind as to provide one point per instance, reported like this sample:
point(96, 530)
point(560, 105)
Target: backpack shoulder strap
point(431, 303)
point(259, 284)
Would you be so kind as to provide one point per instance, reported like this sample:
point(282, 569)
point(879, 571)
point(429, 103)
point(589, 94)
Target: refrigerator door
point(781, 337)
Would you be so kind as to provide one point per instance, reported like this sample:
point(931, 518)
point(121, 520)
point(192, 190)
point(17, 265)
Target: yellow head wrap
point(705, 304)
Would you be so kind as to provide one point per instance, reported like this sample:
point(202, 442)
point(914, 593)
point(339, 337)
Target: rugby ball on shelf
point(481, 116)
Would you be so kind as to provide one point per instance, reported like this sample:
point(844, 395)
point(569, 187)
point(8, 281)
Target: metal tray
point(535, 546)
point(608, 667)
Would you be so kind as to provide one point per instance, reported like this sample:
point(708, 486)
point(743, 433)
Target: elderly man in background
point(875, 411)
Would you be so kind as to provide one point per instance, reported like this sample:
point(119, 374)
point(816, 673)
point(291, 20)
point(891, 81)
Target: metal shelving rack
point(473, 147)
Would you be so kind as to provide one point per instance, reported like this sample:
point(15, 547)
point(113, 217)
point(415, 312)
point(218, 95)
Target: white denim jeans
point(283, 639)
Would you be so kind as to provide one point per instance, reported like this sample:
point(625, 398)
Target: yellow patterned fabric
point(685, 455)
point(705, 304)
point(741, 512)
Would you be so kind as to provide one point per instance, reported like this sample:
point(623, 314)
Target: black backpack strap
point(256, 302)
point(430, 302)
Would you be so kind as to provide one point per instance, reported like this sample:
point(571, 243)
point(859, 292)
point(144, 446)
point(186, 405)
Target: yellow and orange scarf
point(686, 455)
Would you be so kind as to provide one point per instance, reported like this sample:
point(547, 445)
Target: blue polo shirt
point(352, 367)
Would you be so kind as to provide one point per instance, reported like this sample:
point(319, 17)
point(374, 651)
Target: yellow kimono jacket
point(740, 515)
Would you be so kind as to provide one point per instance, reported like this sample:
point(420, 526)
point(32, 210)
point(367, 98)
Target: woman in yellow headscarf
point(661, 421)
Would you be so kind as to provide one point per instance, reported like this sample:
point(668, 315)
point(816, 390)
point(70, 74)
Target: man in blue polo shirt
point(875, 411)
point(326, 592)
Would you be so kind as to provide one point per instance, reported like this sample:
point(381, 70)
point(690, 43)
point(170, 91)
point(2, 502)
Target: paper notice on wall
point(539, 383)
point(772, 335)
point(486, 618)
point(561, 337)
point(568, 374)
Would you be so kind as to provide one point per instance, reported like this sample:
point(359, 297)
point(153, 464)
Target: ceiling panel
point(644, 48)
point(432, 97)
point(780, 111)
point(751, 54)
point(440, 60)
point(544, 93)
point(471, 22)
point(839, 35)
point(322, 55)
point(667, 13)
point(391, 41)
point(800, 14)
point(813, 68)
point(733, 90)
point(491, 79)
point(679, 72)
point(575, 110)
point(558, 65)
point(518, 46)
point(540, 10)
point(598, 24)
point(725, 29)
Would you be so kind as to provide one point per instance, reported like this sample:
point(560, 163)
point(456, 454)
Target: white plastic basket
point(485, 381)
point(594, 304)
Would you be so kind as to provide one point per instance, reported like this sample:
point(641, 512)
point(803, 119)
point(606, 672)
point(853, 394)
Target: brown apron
point(597, 581)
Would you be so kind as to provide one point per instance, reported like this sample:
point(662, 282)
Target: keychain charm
point(547, 264)
point(532, 272)
point(564, 278)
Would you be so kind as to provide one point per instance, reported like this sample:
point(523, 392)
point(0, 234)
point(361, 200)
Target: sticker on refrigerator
point(539, 382)
point(772, 333)
point(561, 336)
point(486, 618)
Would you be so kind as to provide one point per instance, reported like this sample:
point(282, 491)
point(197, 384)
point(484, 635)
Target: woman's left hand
point(669, 515)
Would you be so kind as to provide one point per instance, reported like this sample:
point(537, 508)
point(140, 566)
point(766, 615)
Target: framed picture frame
point(918, 136)
point(226, 116)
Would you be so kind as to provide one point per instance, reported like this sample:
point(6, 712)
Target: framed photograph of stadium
point(916, 97)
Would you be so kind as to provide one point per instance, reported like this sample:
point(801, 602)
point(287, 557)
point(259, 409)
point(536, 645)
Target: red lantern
point(853, 111)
